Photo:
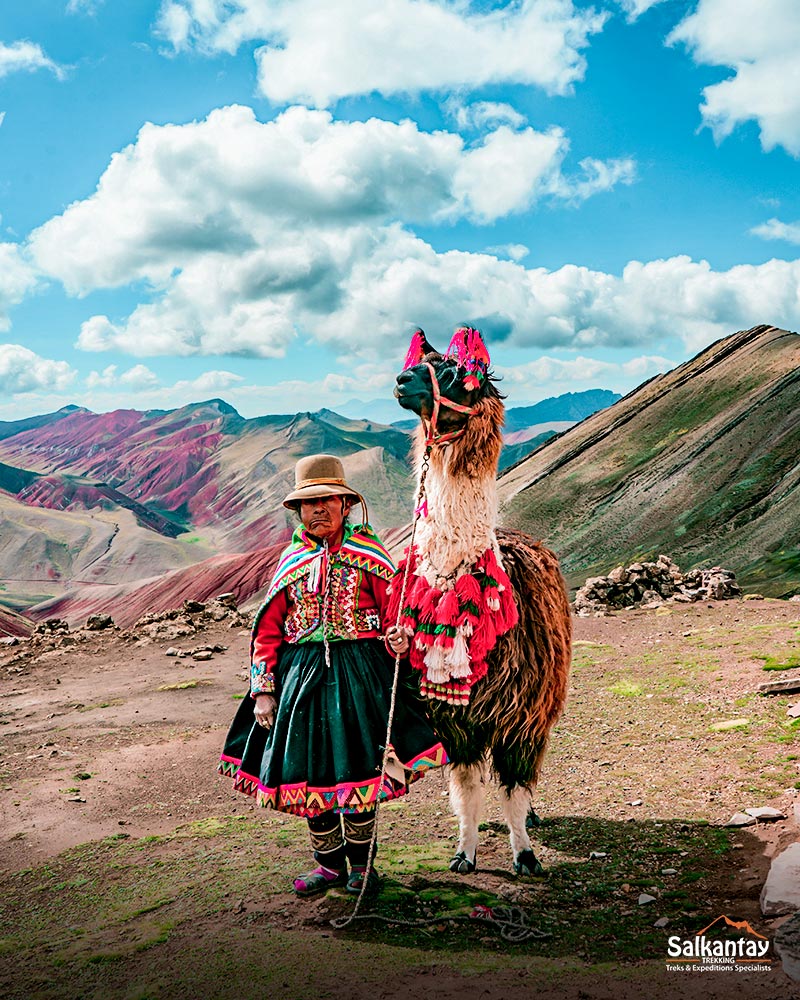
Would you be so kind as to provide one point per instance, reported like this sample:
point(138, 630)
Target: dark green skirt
point(325, 748)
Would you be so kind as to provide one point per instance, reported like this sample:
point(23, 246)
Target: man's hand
point(397, 638)
point(265, 710)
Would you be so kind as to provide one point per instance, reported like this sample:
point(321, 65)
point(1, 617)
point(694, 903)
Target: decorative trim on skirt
point(325, 748)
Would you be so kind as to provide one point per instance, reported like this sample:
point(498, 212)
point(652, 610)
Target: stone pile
point(194, 616)
point(649, 584)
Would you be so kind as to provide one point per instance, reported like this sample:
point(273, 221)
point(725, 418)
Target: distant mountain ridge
point(569, 406)
point(575, 406)
point(700, 463)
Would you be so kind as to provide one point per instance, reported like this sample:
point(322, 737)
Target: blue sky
point(259, 199)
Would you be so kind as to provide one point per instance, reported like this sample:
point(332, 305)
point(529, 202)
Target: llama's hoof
point(533, 819)
point(461, 863)
point(526, 863)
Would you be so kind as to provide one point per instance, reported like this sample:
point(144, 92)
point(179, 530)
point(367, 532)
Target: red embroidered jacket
point(356, 609)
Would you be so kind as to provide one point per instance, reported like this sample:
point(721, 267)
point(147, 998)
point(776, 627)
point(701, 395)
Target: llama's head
point(459, 378)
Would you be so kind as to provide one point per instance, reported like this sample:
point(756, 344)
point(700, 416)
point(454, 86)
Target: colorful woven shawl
point(454, 630)
point(360, 547)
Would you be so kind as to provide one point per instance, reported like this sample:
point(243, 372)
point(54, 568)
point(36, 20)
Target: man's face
point(323, 517)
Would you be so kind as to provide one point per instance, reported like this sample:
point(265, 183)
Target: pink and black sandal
point(320, 880)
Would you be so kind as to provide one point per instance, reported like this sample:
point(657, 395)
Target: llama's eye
point(448, 377)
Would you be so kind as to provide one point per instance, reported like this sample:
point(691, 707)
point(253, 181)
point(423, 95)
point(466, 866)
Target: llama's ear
point(468, 349)
point(417, 349)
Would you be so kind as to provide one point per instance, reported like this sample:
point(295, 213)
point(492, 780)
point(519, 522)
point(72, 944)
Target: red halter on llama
point(488, 608)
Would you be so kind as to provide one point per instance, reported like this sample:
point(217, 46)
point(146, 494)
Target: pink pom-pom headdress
point(417, 350)
point(468, 349)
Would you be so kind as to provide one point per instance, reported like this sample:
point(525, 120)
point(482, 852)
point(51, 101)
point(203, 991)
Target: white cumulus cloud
point(635, 8)
point(139, 377)
point(17, 279)
point(250, 233)
point(21, 370)
point(774, 229)
point(759, 42)
point(89, 7)
point(514, 251)
point(480, 114)
point(24, 56)
point(317, 51)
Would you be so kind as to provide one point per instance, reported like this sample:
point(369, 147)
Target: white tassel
point(460, 666)
point(436, 667)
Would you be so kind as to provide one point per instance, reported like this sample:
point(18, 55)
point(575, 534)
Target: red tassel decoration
point(491, 599)
point(468, 589)
point(429, 603)
point(483, 639)
point(507, 615)
point(448, 610)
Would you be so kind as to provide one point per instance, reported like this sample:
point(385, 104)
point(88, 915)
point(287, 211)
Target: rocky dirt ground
point(130, 870)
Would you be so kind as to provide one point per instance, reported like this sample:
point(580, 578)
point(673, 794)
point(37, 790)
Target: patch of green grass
point(729, 724)
point(627, 688)
point(776, 663)
point(179, 686)
point(101, 704)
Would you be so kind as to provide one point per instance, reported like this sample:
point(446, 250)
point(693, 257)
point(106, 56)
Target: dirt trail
point(111, 744)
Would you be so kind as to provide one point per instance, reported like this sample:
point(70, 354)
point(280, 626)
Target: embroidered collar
point(360, 547)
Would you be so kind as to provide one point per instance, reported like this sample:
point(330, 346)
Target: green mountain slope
point(702, 463)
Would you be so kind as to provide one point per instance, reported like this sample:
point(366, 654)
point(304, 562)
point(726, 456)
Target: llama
point(487, 608)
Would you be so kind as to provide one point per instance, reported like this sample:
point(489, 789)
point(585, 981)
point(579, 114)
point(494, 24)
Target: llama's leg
point(466, 800)
point(516, 803)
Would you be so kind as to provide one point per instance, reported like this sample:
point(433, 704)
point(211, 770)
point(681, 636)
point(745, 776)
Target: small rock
point(765, 813)
point(240, 907)
point(781, 892)
point(9, 640)
point(740, 819)
point(662, 922)
point(218, 648)
point(597, 854)
point(203, 654)
point(753, 597)
point(228, 600)
point(795, 597)
point(75, 798)
point(787, 686)
point(96, 623)
point(793, 711)
point(193, 607)
point(172, 651)
point(635, 802)
point(787, 946)
point(645, 898)
point(669, 871)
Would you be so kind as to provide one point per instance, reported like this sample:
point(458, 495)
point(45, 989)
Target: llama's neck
point(461, 495)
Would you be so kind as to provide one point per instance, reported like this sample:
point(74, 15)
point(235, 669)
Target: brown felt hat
point(321, 476)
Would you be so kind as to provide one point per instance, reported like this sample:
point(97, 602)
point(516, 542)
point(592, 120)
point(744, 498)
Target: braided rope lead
point(511, 921)
point(341, 922)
